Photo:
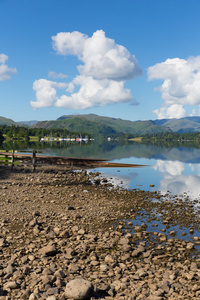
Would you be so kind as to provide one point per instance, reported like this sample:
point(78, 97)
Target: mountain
point(119, 125)
point(106, 126)
point(101, 126)
point(183, 125)
point(9, 122)
point(78, 124)
point(27, 123)
point(5, 121)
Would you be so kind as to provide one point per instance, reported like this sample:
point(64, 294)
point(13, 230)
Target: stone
point(2, 242)
point(190, 246)
point(53, 291)
point(49, 250)
point(10, 285)
point(51, 298)
point(79, 289)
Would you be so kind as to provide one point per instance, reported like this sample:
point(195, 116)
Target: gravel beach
point(69, 235)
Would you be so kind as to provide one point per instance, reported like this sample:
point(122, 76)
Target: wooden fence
point(8, 159)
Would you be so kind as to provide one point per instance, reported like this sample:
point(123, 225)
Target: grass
point(137, 139)
point(33, 138)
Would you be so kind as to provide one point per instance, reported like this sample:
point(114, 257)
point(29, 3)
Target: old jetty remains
point(13, 158)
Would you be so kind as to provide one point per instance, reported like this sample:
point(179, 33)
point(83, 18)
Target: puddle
point(156, 226)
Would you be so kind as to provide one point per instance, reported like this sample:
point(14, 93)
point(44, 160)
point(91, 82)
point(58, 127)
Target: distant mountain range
point(105, 126)
point(9, 122)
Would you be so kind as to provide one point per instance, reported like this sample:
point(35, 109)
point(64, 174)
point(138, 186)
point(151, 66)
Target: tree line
point(20, 132)
point(172, 139)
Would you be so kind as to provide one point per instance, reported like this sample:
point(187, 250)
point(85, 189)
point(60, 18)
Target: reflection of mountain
point(115, 150)
point(112, 150)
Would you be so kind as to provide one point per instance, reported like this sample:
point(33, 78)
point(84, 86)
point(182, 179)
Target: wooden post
point(34, 160)
point(12, 160)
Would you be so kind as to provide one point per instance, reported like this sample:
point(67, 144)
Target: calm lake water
point(169, 169)
point(173, 170)
point(176, 170)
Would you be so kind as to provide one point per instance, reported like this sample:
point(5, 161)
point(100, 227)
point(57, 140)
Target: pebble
point(48, 251)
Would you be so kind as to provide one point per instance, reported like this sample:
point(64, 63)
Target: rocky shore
point(69, 235)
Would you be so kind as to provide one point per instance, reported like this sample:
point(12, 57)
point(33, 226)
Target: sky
point(128, 59)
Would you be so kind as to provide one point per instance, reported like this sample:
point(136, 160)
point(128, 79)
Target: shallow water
point(171, 171)
point(174, 169)
point(156, 226)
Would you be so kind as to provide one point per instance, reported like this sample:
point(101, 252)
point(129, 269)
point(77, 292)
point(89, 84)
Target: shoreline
point(55, 226)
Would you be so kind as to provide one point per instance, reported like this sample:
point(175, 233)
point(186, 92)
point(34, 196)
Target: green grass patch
point(137, 139)
point(33, 138)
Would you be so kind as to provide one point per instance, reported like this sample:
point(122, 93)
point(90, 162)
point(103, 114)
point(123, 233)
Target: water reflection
point(178, 178)
point(173, 168)
point(176, 169)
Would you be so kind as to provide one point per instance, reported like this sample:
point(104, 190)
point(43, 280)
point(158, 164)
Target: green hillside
point(119, 125)
point(77, 124)
point(6, 121)
point(105, 126)
point(182, 125)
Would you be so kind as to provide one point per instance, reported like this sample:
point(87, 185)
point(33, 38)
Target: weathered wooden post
point(34, 160)
point(12, 160)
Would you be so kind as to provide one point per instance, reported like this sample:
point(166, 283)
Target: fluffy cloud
point(104, 68)
point(5, 71)
point(174, 111)
point(102, 57)
point(181, 84)
point(94, 92)
point(91, 93)
point(46, 93)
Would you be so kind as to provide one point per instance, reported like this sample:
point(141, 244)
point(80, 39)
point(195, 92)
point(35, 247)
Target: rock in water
point(79, 289)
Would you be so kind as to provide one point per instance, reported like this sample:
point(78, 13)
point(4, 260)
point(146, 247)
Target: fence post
point(34, 160)
point(12, 160)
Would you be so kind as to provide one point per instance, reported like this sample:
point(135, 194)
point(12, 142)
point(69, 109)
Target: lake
point(168, 169)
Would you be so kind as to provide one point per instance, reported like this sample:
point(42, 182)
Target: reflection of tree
point(108, 150)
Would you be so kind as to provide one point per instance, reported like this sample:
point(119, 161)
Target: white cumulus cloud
point(174, 111)
point(94, 92)
point(181, 85)
point(46, 93)
point(102, 58)
point(5, 71)
point(104, 69)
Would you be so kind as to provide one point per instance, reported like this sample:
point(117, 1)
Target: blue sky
point(129, 59)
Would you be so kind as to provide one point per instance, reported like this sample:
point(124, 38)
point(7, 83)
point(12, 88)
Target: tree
point(1, 136)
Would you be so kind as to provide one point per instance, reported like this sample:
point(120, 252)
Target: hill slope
point(119, 125)
point(77, 124)
point(183, 125)
point(6, 121)
point(106, 126)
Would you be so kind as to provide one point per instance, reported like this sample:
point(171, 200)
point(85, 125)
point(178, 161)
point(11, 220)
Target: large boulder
point(79, 289)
